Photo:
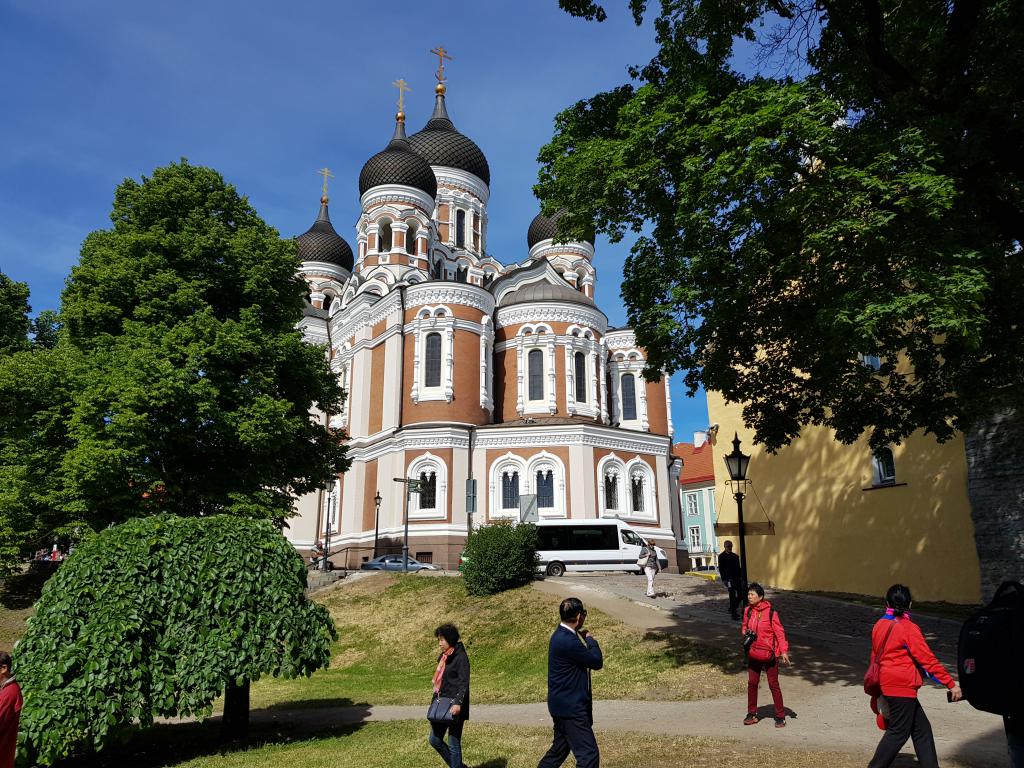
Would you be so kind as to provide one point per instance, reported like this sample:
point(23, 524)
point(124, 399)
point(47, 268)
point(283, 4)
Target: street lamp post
point(736, 463)
point(411, 487)
point(331, 501)
point(376, 525)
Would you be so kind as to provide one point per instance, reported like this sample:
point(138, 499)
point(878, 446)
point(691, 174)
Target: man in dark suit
point(572, 654)
point(729, 569)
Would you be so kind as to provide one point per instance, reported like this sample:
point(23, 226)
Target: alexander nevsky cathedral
point(483, 380)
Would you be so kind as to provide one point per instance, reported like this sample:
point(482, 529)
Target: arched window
point(628, 397)
point(488, 278)
point(460, 229)
point(510, 490)
point(410, 239)
point(611, 490)
point(884, 467)
point(433, 359)
point(637, 493)
point(435, 271)
point(545, 489)
point(460, 274)
point(580, 361)
point(384, 235)
point(428, 490)
point(535, 366)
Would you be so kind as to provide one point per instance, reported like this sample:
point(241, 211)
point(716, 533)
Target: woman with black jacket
point(451, 680)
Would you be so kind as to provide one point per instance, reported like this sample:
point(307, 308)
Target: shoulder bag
point(873, 677)
point(440, 709)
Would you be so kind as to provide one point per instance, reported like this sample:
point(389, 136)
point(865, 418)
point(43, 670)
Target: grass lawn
point(403, 744)
point(386, 651)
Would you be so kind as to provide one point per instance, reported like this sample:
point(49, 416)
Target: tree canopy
point(177, 381)
point(157, 618)
point(14, 309)
point(857, 196)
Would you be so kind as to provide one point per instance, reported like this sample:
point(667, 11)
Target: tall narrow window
point(460, 229)
point(428, 490)
point(884, 467)
point(433, 367)
point(460, 274)
point(580, 361)
point(637, 488)
point(695, 538)
point(535, 365)
point(410, 239)
point(611, 491)
point(628, 397)
point(488, 278)
point(385, 236)
point(545, 489)
point(510, 490)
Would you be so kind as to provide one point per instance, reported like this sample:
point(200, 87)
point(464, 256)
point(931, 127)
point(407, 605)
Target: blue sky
point(267, 93)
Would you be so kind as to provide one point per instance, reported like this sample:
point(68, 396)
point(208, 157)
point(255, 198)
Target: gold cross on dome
point(326, 173)
point(402, 87)
point(441, 54)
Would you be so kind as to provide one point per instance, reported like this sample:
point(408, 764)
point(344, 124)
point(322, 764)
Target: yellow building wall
point(832, 535)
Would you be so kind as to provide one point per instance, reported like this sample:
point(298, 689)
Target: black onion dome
point(398, 164)
point(544, 228)
point(439, 143)
point(321, 243)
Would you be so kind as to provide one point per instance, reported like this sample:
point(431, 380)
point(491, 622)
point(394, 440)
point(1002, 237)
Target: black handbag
point(440, 709)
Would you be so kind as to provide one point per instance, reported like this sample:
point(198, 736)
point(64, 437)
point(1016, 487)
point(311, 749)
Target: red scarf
point(439, 672)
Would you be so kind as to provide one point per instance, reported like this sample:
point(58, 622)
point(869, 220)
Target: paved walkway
point(822, 689)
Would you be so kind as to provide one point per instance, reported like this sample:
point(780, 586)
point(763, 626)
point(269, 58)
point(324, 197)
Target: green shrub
point(156, 618)
point(499, 557)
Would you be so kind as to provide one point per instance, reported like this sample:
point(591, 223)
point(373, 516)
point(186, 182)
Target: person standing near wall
point(729, 570)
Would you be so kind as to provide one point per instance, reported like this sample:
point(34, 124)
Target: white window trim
point(689, 498)
point(437, 319)
point(512, 463)
point(428, 462)
point(545, 461)
point(632, 362)
point(583, 342)
point(528, 339)
point(612, 464)
point(698, 547)
point(650, 510)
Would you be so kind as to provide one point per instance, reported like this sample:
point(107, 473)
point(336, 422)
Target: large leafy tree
point(157, 618)
point(178, 381)
point(859, 193)
point(14, 309)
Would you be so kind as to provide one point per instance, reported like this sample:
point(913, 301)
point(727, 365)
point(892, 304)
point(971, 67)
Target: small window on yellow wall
point(884, 467)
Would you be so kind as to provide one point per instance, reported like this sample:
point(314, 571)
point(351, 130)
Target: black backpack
point(989, 654)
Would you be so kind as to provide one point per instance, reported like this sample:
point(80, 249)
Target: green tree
point(157, 618)
point(44, 328)
point(14, 309)
point(860, 194)
point(193, 391)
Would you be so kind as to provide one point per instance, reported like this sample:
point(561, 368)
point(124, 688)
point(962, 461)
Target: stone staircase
point(316, 580)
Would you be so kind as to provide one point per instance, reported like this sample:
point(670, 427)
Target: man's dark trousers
point(729, 568)
point(575, 734)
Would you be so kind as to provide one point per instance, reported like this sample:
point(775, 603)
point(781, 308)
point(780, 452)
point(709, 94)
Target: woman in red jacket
point(768, 647)
point(902, 654)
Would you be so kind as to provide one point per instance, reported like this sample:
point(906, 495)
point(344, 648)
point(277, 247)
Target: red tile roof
point(698, 463)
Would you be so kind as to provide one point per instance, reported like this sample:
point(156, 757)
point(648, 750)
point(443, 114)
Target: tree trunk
point(235, 724)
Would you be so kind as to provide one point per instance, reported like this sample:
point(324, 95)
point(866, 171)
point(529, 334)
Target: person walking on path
point(768, 646)
point(901, 652)
point(572, 654)
point(10, 711)
point(729, 569)
point(451, 680)
point(650, 557)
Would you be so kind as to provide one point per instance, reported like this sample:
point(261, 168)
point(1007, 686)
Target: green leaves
point(14, 322)
point(787, 227)
point(152, 618)
point(500, 556)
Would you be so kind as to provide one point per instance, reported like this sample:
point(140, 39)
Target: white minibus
point(589, 545)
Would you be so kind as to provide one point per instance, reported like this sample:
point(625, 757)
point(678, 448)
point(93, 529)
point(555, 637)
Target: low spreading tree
point(157, 617)
point(858, 191)
point(500, 556)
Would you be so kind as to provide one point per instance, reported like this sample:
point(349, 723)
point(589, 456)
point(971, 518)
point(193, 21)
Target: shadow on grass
point(683, 651)
point(169, 744)
point(498, 762)
point(21, 590)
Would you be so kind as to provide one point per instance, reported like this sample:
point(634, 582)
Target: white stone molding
point(624, 339)
point(429, 464)
point(570, 379)
point(314, 331)
point(547, 462)
point(592, 362)
point(385, 194)
point(449, 355)
point(414, 391)
point(324, 268)
point(639, 470)
point(641, 385)
point(548, 248)
point(666, 381)
point(459, 179)
point(486, 355)
point(611, 466)
point(552, 389)
point(506, 464)
point(603, 357)
point(431, 319)
point(552, 313)
point(499, 437)
point(462, 294)
point(520, 376)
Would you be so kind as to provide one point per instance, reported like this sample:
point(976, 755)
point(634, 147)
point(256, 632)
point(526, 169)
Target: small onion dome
point(543, 291)
point(544, 228)
point(440, 144)
point(321, 243)
point(398, 164)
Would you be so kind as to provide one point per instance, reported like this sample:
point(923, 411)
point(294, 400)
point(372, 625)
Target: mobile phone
point(949, 696)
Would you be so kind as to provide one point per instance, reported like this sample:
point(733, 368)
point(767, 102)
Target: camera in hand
point(748, 640)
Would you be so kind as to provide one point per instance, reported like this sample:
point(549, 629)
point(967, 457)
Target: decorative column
point(485, 332)
point(641, 385)
point(593, 374)
point(668, 402)
point(552, 397)
point(570, 376)
point(604, 381)
point(520, 397)
point(449, 384)
point(414, 393)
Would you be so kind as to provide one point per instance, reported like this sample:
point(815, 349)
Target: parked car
point(394, 563)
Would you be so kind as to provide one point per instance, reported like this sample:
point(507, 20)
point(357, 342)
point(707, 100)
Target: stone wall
point(995, 461)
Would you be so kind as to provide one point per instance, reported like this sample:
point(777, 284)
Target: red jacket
point(10, 714)
point(900, 675)
point(771, 638)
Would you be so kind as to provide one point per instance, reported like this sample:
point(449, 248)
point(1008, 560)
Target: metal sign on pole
point(528, 508)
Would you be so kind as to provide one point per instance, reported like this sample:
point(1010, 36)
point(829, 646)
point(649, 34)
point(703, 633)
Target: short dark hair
point(899, 599)
point(756, 588)
point(570, 608)
point(6, 661)
point(727, 544)
point(449, 632)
